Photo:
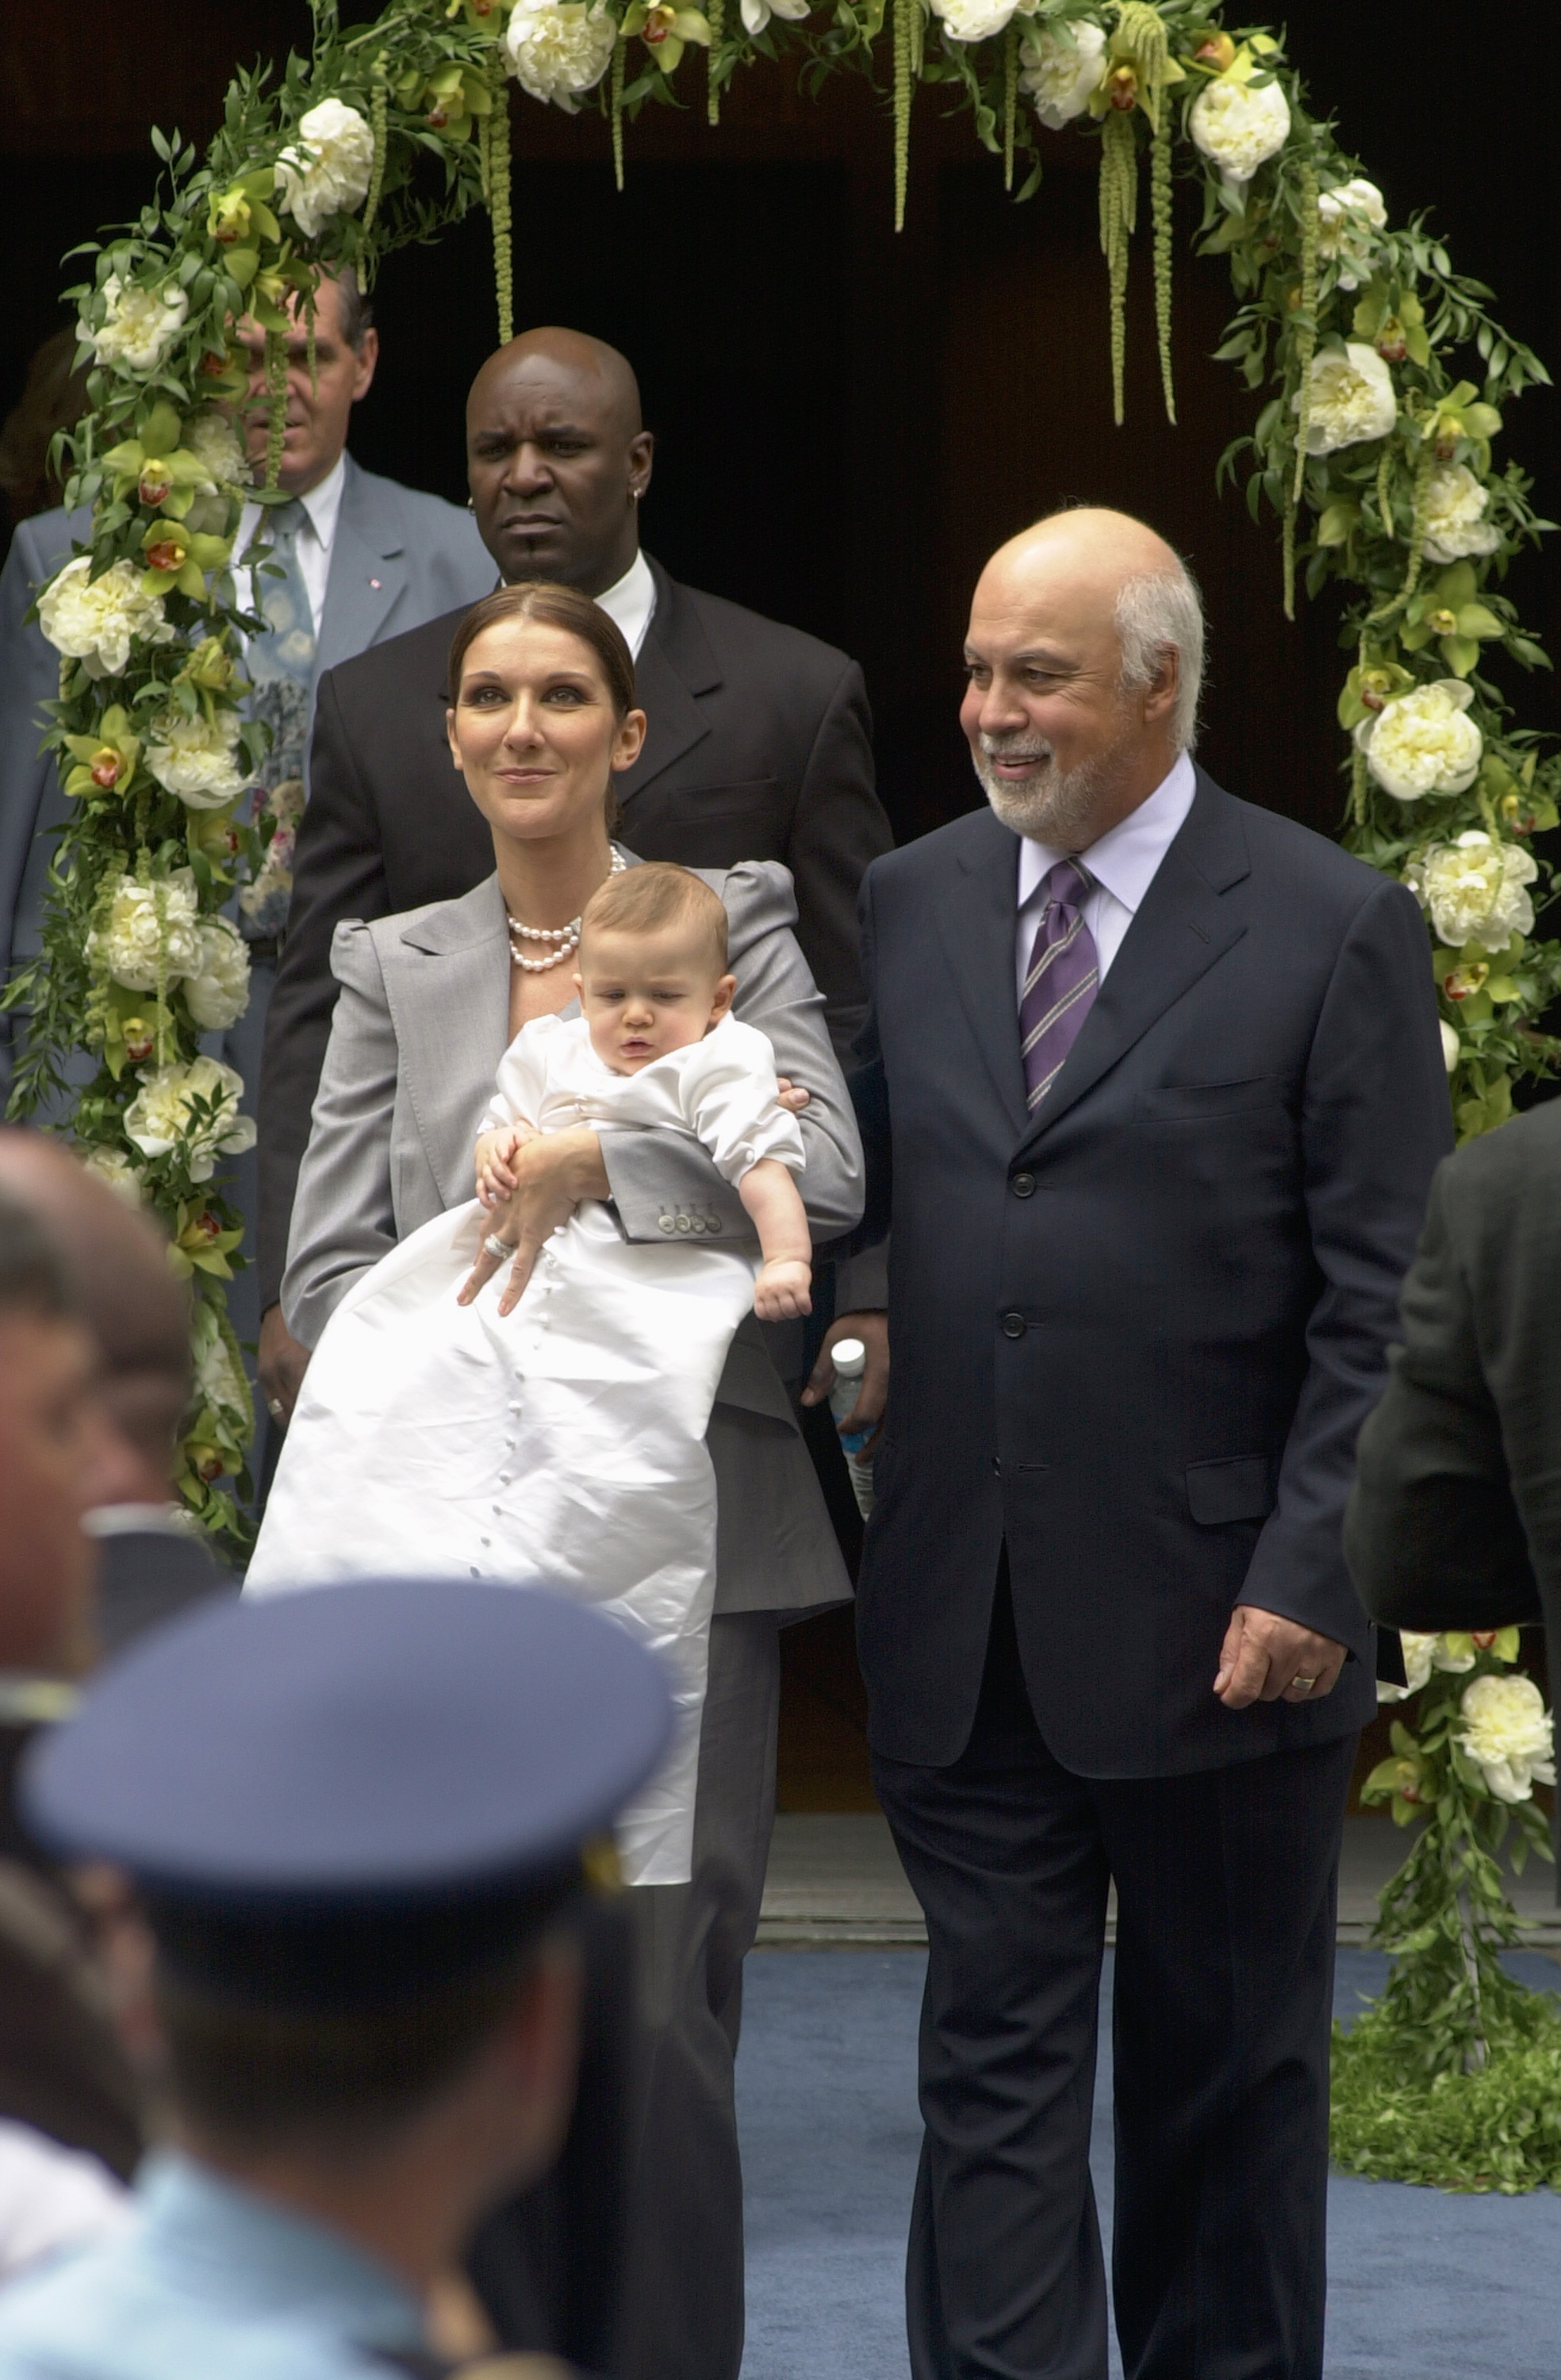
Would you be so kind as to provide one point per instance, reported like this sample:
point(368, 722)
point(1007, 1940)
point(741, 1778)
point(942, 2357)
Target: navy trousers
point(1226, 1886)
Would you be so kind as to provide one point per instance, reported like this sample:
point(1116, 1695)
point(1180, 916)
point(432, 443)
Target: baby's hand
point(780, 1293)
point(495, 1153)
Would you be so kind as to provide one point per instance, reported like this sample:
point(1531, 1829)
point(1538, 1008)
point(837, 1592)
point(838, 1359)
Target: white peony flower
point(1060, 74)
point(161, 1117)
point(197, 759)
point(756, 14)
point(556, 49)
point(144, 921)
point(218, 1380)
point(329, 171)
point(114, 1169)
point(212, 439)
point(1239, 125)
point(1508, 1734)
point(1454, 523)
point(140, 325)
point(1422, 743)
point(1451, 1046)
point(973, 21)
point(1346, 219)
point(1353, 399)
point(1474, 890)
point(97, 623)
point(217, 990)
point(1418, 1651)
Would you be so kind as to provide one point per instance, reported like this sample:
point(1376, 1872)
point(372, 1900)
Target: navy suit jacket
point(1135, 1334)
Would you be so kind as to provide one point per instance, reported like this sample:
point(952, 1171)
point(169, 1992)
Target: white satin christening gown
point(564, 1442)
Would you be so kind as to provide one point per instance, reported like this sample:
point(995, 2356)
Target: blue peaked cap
point(378, 1745)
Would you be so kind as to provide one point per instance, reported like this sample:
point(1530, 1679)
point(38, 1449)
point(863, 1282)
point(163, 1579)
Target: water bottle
point(850, 1358)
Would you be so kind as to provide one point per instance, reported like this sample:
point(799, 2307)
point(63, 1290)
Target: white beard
point(1057, 806)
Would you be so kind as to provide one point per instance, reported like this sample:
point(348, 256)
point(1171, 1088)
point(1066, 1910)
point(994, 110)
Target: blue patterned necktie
point(1061, 981)
point(281, 668)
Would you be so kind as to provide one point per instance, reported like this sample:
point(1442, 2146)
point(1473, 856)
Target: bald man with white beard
point(1152, 1093)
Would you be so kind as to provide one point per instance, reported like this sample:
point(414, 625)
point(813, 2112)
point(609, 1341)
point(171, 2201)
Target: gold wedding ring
point(1305, 1685)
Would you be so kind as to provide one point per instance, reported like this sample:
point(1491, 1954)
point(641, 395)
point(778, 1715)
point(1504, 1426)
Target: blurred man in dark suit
point(1152, 1090)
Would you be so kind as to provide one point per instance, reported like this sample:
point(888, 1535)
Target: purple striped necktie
point(1061, 981)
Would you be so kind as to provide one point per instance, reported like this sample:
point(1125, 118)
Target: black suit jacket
point(1456, 1517)
point(1135, 1334)
point(758, 746)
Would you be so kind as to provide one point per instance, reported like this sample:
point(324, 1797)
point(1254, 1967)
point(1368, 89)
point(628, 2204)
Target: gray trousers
point(683, 2316)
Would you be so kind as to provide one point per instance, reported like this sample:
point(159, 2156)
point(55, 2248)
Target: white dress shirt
point(1123, 864)
point(323, 508)
point(631, 602)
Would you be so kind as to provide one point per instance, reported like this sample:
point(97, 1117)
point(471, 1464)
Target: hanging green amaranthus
point(1160, 196)
point(379, 117)
point(494, 130)
point(715, 13)
point(1118, 212)
point(1010, 100)
point(1305, 350)
point(275, 367)
point(904, 85)
point(1139, 66)
point(615, 104)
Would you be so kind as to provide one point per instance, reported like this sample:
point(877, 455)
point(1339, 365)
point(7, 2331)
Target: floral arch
point(1380, 380)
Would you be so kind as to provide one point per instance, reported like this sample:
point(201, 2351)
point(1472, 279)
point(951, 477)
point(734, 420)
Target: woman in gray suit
point(543, 717)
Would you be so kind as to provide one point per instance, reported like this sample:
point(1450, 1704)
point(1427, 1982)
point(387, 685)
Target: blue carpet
point(1422, 2286)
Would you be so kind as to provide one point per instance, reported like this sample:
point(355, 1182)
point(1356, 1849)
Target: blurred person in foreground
point(151, 1564)
point(69, 2115)
point(359, 1826)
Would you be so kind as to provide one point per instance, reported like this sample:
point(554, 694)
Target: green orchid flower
point(1370, 686)
point(666, 32)
point(163, 474)
point(176, 557)
point(446, 101)
point(1511, 793)
point(486, 16)
point(105, 761)
point(1448, 611)
point(200, 1244)
point(1130, 82)
point(1392, 320)
point(1458, 417)
point(238, 219)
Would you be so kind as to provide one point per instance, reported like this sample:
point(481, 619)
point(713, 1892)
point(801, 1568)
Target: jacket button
point(684, 1224)
point(713, 1222)
point(1014, 1326)
point(1022, 1184)
point(665, 1223)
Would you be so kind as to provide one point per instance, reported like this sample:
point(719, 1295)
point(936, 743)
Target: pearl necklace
point(565, 937)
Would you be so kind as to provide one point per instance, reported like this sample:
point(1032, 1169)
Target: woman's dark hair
point(553, 607)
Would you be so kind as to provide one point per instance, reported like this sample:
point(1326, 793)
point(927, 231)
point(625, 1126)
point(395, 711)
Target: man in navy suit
point(1152, 1089)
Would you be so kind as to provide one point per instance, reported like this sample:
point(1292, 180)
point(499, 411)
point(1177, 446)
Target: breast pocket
point(1209, 1103)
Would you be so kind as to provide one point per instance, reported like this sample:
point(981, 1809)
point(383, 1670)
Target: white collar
point(323, 502)
point(1126, 856)
point(631, 602)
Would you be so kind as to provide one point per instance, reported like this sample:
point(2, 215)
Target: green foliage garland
point(1383, 381)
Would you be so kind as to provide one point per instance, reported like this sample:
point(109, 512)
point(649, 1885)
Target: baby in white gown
point(439, 1434)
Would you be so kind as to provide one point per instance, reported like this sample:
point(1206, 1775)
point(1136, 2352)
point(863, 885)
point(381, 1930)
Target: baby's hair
point(642, 898)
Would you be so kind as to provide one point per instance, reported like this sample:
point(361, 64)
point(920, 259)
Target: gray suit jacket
point(419, 1029)
point(399, 557)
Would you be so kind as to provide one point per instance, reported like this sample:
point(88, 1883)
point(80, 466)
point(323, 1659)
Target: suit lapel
point(448, 982)
point(977, 921)
point(368, 571)
point(1180, 930)
point(675, 665)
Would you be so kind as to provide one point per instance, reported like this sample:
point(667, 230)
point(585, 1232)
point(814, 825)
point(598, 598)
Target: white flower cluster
point(218, 1380)
point(161, 1116)
point(158, 925)
point(197, 759)
point(1476, 891)
point(1507, 1733)
point(972, 21)
point(96, 622)
point(216, 446)
point(1456, 526)
point(1238, 125)
point(1422, 1654)
point(114, 1168)
point(1423, 742)
point(1059, 73)
point(556, 49)
point(1350, 398)
point(1347, 218)
point(140, 326)
point(328, 171)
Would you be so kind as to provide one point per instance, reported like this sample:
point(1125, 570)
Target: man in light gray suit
point(367, 557)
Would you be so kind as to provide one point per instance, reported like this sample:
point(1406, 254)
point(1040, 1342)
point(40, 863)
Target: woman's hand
point(791, 1095)
point(552, 1173)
